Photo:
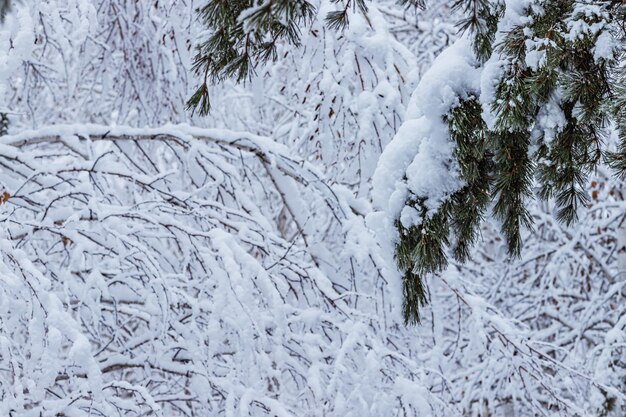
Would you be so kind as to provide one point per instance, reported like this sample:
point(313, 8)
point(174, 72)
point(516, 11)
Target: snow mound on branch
point(420, 159)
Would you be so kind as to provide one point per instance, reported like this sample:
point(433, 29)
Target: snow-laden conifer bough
point(520, 106)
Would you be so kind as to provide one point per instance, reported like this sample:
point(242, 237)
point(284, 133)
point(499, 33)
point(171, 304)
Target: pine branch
point(243, 35)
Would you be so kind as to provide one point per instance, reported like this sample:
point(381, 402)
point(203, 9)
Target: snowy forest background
point(156, 262)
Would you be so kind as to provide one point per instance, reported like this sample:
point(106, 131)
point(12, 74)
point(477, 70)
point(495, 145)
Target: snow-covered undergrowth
point(233, 269)
point(142, 274)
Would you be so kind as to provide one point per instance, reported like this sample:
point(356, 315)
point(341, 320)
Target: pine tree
point(245, 33)
point(558, 60)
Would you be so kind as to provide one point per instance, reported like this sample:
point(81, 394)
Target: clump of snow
point(550, 119)
point(420, 160)
point(591, 20)
point(536, 52)
point(410, 216)
point(605, 46)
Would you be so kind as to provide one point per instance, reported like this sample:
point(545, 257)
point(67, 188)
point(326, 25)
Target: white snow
point(158, 263)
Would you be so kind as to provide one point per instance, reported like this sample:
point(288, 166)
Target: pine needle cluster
point(245, 33)
point(242, 33)
point(573, 77)
point(422, 249)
